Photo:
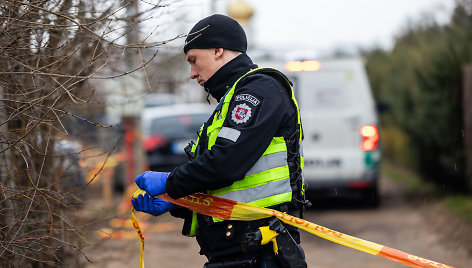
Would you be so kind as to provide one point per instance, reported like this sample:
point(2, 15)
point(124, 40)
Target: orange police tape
point(232, 210)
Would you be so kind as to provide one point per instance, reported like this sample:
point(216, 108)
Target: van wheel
point(371, 197)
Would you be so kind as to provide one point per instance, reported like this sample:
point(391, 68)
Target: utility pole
point(132, 85)
point(467, 115)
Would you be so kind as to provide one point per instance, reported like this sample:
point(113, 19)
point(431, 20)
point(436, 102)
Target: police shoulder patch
point(244, 109)
point(241, 113)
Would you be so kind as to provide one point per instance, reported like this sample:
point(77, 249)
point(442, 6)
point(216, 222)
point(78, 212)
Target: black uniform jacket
point(261, 108)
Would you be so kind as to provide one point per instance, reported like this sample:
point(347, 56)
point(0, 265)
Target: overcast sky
point(325, 24)
point(328, 23)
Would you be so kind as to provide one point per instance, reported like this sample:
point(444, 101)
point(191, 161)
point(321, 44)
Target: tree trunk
point(467, 110)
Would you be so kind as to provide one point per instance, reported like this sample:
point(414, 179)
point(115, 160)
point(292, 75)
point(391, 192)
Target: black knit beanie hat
point(217, 31)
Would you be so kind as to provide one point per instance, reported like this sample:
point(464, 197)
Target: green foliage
point(461, 205)
point(421, 80)
point(410, 181)
point(396, 145)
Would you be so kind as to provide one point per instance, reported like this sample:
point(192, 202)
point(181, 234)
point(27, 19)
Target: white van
point(341, 134)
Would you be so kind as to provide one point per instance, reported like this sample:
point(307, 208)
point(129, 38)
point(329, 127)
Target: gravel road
point(414, 225)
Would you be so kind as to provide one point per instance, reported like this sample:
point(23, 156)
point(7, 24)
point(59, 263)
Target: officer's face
point(203, 63)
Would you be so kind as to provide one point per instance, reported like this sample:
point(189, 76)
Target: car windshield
point(178, 126)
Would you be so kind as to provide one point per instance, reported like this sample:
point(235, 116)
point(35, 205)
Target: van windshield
point(328, 91)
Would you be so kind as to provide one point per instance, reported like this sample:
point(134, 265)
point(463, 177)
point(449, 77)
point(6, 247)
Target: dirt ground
point(414, 225)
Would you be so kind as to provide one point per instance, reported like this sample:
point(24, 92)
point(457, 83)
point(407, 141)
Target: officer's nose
point(193, 73)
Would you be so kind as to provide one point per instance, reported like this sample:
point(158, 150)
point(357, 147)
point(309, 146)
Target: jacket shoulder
point(265, 81)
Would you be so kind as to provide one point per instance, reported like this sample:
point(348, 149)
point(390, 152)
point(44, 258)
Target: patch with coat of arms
point(241, 113)
point(244, 109)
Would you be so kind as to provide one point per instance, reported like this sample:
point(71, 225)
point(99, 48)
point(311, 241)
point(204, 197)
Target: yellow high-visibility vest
point(267, 183)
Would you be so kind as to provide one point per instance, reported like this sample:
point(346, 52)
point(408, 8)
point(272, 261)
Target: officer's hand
point(151, 205)
point(153, 183)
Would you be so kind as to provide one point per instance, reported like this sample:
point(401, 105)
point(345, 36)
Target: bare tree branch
point(50, 50)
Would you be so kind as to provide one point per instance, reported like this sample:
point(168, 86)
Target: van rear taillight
point(370, 137)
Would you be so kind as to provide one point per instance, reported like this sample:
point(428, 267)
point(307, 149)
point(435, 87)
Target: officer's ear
point(218, 52)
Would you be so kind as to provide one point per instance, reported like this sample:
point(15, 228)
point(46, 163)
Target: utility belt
point(265, 257)
point(284, 253)
point(243, 262)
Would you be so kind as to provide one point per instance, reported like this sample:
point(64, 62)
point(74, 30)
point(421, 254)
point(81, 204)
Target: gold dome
point(240, 11)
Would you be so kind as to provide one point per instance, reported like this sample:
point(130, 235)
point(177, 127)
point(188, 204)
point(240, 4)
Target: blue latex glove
point(153, 183)
point(151, 205)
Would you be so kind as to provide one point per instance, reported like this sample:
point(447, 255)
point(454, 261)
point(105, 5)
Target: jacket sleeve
point(255, 113)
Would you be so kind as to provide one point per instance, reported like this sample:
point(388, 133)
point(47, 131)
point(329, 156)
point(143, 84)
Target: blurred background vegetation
point(419, 85)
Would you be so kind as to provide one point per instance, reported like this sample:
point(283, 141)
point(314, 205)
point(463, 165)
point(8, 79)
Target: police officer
point(249, 150)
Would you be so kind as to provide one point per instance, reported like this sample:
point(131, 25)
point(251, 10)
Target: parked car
point(168, 129)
